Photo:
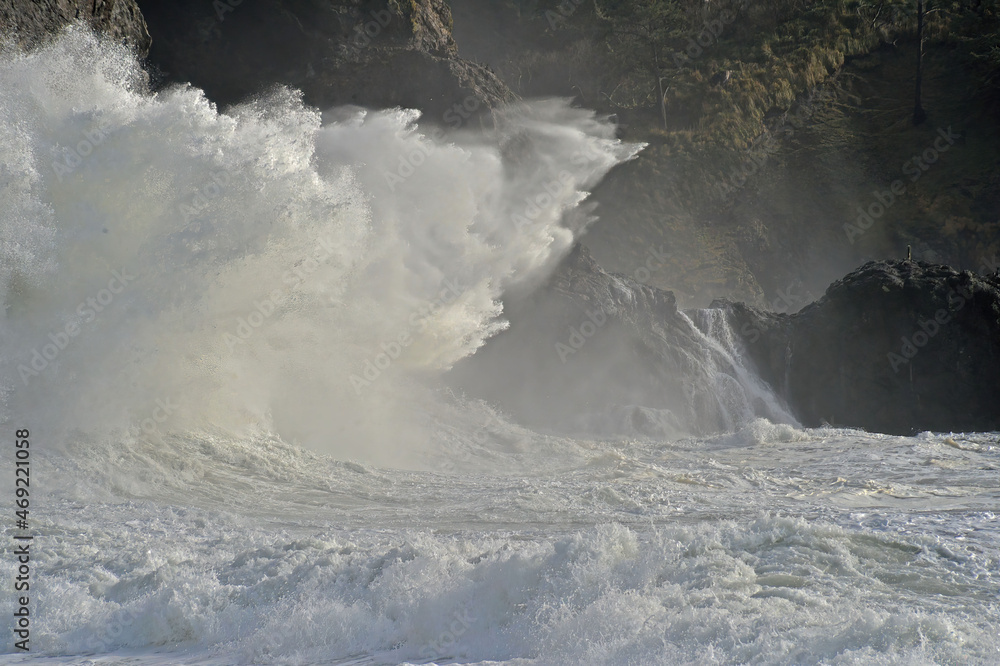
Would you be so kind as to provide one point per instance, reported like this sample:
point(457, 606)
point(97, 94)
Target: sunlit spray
point(257, 268)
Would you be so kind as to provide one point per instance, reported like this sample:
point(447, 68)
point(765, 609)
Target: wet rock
point(30, 22)
point(599, 353)
point(895, 347)
point(376, 54)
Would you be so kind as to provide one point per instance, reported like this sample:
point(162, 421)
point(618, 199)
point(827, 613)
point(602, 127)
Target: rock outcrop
point(895, 347)
point(597, 352)
point(30, 22)
point(375, 53)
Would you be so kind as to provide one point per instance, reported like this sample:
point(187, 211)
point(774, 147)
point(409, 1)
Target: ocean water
point(769, 545)
point(227, 332)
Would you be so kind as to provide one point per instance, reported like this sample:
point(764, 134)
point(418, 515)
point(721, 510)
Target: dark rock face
point(894, 347)
point(31, 21)
point(600, 353)
point(372, 53)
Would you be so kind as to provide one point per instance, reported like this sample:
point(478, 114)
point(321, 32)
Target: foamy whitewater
point(228, 331)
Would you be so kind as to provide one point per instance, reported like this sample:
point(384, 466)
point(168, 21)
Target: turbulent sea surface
point(770, 545)
point(246, 450)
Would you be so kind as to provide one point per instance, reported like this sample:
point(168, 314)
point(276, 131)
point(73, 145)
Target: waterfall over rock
point(594, 351)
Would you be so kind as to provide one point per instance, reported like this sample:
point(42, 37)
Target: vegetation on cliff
point(769, 124)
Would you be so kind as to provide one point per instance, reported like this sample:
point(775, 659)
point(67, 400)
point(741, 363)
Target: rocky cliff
point(30, 21)
point(376, 53)
point(895, 347)
point(599, 352)
point(750, 181)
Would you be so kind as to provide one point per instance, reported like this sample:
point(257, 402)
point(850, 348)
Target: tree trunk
point(659, 81)
point(919, 115)
point(663, 102)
